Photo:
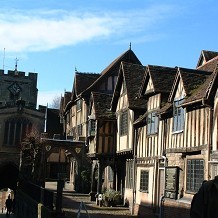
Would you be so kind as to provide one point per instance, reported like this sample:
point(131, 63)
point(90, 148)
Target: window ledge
point(152, 134)
point(177, 132)
point(143, 191)
point(185, 200)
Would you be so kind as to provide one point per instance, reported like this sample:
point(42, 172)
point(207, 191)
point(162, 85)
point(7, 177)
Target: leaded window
point(129, 174)
point(144, 179)
point(79, 105)
point(91, 129)
point(79, 130)
point(178, 115)
point(152, 123)
point(124, 123)
point(195, 174)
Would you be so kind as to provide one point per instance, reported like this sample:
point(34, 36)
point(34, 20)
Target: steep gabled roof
point(101, 102)
point(81, 82)
point(132, 74)
point(64, 101)
point(205, 90)
point(113, 69)
point(191, 79)
point(206, 56)
point(210, 65)
point(162, 79)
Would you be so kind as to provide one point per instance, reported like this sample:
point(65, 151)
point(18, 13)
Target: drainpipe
point(162, 197)
point(134, 170)
point(210, 123)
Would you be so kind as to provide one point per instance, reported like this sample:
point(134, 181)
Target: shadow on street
point(6, 216)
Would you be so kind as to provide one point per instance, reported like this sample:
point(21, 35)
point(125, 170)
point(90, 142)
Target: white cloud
point(22, 31)
point(47, 97)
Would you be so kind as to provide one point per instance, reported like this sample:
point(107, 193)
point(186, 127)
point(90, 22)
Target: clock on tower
point(14, 88)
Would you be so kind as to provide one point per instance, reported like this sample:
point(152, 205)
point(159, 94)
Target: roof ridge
point(86, 73)
point(207, 62)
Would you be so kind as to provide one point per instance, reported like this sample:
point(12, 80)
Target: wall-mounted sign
point(171, 182)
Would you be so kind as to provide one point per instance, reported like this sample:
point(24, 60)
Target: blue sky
point(52, 37)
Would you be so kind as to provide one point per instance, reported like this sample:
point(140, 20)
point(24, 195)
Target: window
point(195, 174)
point(91, 128)
point(16, 130)
point(152, 123)
point(178, 115)
point(124, 123)
point(79, 130)
point(79, 105)
point(124, 88)
point(110, 174)
point(73, 132)
point(144, 181)
point(214, 170)
point(129, 174)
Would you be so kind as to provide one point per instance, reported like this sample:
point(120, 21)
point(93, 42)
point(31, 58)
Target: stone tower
point(15, 85)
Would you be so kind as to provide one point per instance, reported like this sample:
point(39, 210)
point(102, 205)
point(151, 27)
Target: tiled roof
point(165, 109)
point(208, 55)
point(141, 119)
point(192, 79)
point(162, 77)
point(113, 69)
point(133, 75)
point(203, 90)
point(210, 65)
point(102, 106)
point(83, 80)
point(64, 100)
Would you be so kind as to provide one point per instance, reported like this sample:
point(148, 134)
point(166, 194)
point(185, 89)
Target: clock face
point(14, 88)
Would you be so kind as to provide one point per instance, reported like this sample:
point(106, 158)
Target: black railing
point(37, 193)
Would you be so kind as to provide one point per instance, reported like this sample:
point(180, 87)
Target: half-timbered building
point(76, 112)
point(187, 139)
point(128, 108)
point(150, 146)
point(101, 140)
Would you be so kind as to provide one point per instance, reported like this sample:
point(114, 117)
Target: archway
point(9, 173)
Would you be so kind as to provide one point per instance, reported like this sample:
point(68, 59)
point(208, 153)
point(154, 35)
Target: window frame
point(92, 127)
point(79, 105)
point(194, 173)
point(178, 115)
point(124, 123)
point(79, 130)
point(129, 174)
point(144, 181)
point(152, 127)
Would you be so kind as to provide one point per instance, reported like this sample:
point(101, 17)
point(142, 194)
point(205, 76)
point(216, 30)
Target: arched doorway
point(9, 173)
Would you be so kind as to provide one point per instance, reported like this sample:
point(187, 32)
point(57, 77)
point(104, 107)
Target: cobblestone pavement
point(72, 202)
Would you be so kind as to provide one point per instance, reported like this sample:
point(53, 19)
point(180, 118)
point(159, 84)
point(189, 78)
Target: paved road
point(72, 202)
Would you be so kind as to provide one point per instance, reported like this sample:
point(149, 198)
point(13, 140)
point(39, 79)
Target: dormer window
point(152, 123)
point(79, 105)
point(178, 115)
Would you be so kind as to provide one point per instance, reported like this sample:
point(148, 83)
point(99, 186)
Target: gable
point(205, 57)
point(180, 91)
point(150, 86)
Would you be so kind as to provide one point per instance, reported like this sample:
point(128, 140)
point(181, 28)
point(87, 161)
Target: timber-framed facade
point(152, 135)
